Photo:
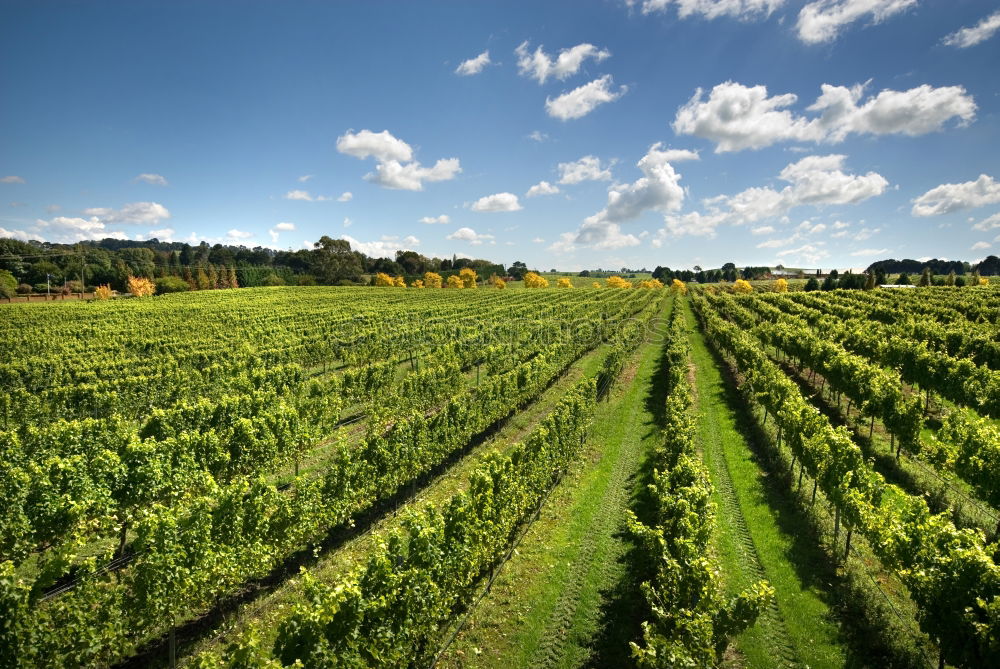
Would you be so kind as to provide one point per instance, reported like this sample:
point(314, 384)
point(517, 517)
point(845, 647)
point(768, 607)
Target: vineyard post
point(836, 527)
point(802, 468)
point(173, 645)
point(815, 483)
point(871, 428)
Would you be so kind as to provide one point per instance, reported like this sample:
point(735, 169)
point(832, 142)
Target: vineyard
point(585, 476)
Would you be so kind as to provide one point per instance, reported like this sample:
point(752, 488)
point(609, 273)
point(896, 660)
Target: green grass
point(759, 535)
point(567, 598)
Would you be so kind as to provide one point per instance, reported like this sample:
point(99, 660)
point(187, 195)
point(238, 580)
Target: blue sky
point(828, 133)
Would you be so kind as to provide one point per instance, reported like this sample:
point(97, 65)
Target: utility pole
point(82, 266)
point(48, 283)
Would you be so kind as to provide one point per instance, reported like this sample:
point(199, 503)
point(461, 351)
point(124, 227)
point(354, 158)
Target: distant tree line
point(990, 266)
point(728, 272)
point(176, 266)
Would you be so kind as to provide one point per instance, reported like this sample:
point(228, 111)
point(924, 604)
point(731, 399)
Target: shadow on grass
point(867, 643)
point(624, 608)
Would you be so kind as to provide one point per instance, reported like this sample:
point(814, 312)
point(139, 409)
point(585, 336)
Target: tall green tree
point(333, 260)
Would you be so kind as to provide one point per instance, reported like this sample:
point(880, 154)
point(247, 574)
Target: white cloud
point(947, 198)
point(738, 117)
point(469, 235)
point(304, 196)
point(988, 223)
point(774, 243)
point(814, 180)
point(870, 252)
point(239, 234)
point(152, 179)
point(12, 180)
point(540, 66)
point(410, 176)
point(980, 245)
point(762, 230)
point(17, 234)
point(346, 196)
point(808, 253)
point(395, 166)
point(285, 226)
point(865, 233)
point(587, 168)
point(163, 234)
point(348, 222)
point(497, 202)
point(658, 189)
point(594, 234)
point(149, 213)
point(67, 229)
point(443, 219)
point(538, 136)
point(381, 146)
point(581, 101)
point(538, 240)
point(474, 65)
point(711, 9)
point(386, 247)
point(306, 177)
point(980, 32)
point(822, 20)
point(542, 188)
point(840, 225)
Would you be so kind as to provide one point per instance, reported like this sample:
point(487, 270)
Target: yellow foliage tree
point(399, 282)
point(383, 279)
point(651, 284)
point(781, 286)
point(454, 282)
point(983, 281)
point(617, 282)
point(432, 280)
point(468, 277)
point(564, 283)
point(532, 280)
point(417, 283)
point(595, 284)
point(679, 287)
point(499, 283)
point(742, 286)
point(141, 286)
point(103, 292)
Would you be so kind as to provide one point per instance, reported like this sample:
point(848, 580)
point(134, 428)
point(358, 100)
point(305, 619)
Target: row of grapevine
point(395, 611)
point(691, 621)
point(950, 573)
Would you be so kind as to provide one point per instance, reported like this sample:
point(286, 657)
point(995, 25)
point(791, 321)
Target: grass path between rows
point(567, 598)
point(756, 536)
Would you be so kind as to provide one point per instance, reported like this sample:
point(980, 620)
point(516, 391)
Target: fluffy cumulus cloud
point(381, 146)
point(814, 181)
point(738, 117)
point(762, 230)
point(304, 196)
point(542, 188)
point(152, 179)
point(385, 247)
point(978, 246)
point(658, 189)
point(12, 179)
point(473, 65)
point(711, 9)
point(806, 254)
point(69, 229)
point(587, 168)
point(988, 223)
point(443, 219)
point(346, 196)
point(306, 177)
point(471, 236)
point(149, 213)
point(822, 20)
point(980, 32)
point(540, 66)
point(581, 101)
point(538, 136)
point(947, 198)
point(16, 234)
point(276, 231)
point(236, 234)
point(395, 167)
point(497, 202)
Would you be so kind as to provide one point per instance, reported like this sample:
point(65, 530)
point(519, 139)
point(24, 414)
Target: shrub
point(140, 286)
point(273, 280)
point(306, 280)
point(104, 292)
point(23, 289)
point(171, 284)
